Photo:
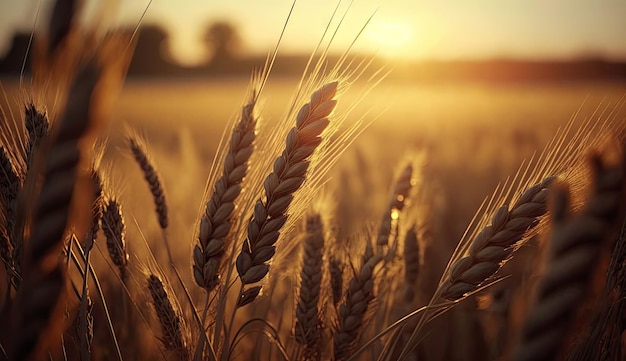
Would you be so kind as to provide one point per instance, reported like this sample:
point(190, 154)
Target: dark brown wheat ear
point(399, 193)
point(216, 221)
point(44, 283)
point(357, 301)
point(288, 175)
point(152, 178)
point(10, 184)
point(308, 328)
point(495, 243)
point(37, 126)
point(170, 319)
point(114, 229)
point(575, 248)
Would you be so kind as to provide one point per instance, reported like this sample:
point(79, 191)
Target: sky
point(408, 29)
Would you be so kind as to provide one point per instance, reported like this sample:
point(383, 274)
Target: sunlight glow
point(390, 38)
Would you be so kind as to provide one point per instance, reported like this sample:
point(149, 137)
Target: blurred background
point(422, 40)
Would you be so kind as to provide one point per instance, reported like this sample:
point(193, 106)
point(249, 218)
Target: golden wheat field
point(334, 218)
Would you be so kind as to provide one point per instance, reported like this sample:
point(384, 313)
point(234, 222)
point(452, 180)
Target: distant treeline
point(151, 60)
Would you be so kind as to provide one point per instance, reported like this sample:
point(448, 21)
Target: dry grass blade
point(576, 244)
point(308, 328)
point(169, 319)
point(43, 285)
point(495, 243)
point(215, 224)
point(288, 175)
point(352, 311)
point(152, 177)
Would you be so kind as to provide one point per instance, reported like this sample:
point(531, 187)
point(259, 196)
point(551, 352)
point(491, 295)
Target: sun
point(390, 38)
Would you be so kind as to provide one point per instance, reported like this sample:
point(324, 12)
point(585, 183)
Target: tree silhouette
point(223, 40)
point(149, 57)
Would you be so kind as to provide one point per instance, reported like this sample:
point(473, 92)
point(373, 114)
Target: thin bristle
point(153, 180)
point(288, 175)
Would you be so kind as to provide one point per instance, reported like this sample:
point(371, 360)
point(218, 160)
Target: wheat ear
point(169, 319)
point(412, 259)
point(37, 126)
point(97, 209)
point(576, 244)
point(288, 175)
point(400, 192)
point(352, 311)
point(43, 285)
point(9, 188)
point(153, 180)
point(10, 184)
point(308, 326)
point(336, 278)
point(114, 230)
point(495, 243)
point(215, 224)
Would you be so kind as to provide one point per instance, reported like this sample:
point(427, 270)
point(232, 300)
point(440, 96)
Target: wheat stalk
point(215, 224)
point(288, 175)
point(576, 244)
